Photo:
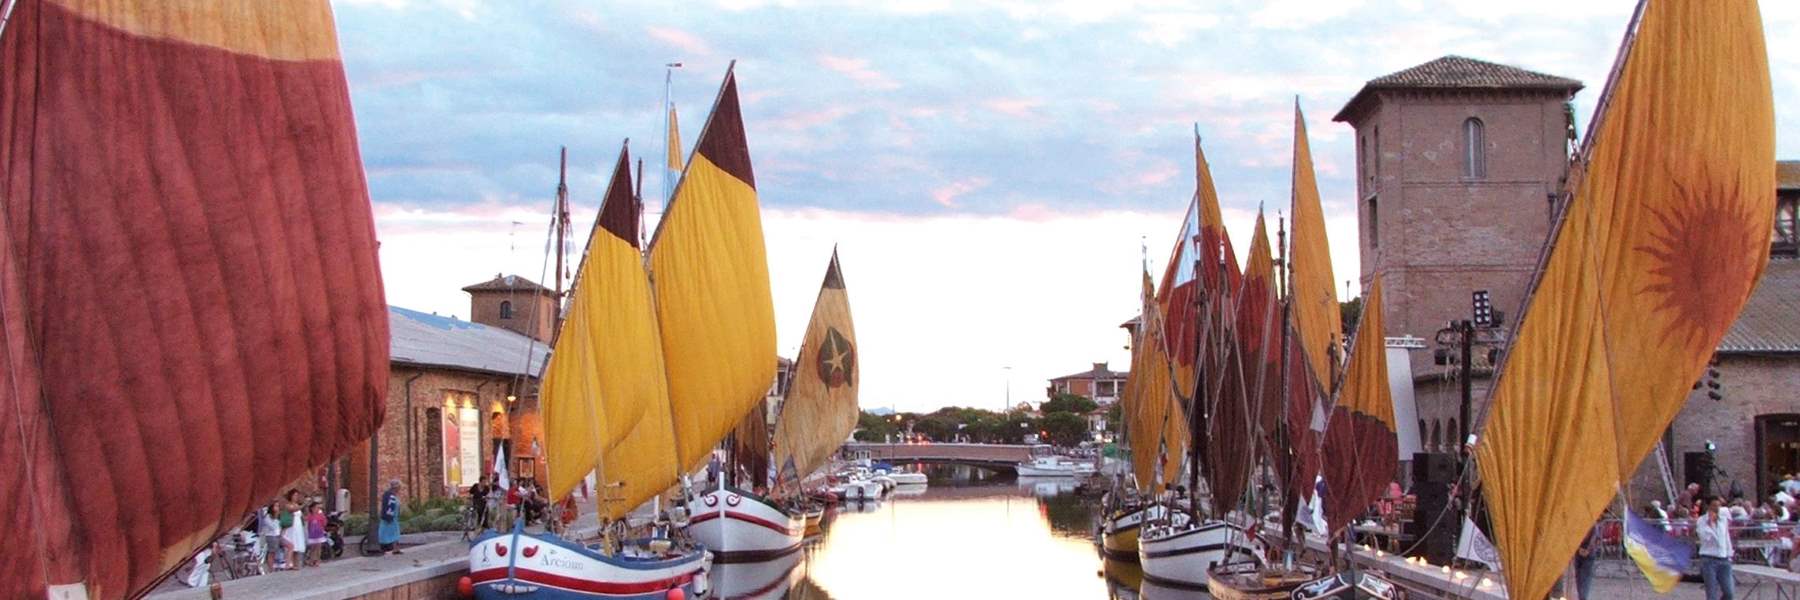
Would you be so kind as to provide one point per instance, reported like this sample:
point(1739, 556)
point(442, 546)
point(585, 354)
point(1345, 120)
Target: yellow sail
point(1317, 322)
point(1663, 240)
point(674, 162)
point(820, 409)
point(1148, 391)
point(711, 281)
point(604, 394)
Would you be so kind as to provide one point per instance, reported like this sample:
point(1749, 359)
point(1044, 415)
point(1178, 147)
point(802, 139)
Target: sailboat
point(1662, 234)
point(191, 308)
point(712, 294)
point(1197, 295)
point(607, 410)
point(1147, 402)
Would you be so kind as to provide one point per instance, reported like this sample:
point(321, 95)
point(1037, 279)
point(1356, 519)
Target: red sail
point(1360, 456)
point(193, 311)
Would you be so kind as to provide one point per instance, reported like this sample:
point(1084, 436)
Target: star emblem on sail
point(1660, 243)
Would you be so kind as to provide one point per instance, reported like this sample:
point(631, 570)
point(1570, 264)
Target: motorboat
point(1054, 466)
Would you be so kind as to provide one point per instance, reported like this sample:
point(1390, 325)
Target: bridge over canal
point(988, 456)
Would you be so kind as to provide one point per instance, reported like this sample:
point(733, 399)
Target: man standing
point(478, 499)
point(1584, 565)
point(1715, 551)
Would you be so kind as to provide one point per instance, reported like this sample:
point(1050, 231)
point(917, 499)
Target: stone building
point(455, 389)
point(1458, 196)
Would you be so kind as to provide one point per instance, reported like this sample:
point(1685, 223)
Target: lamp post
point(1008, 405)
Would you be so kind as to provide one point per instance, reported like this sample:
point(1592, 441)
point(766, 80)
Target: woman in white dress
point(293, 532)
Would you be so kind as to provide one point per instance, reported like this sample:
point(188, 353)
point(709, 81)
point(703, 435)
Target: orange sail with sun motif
point(1660, 246)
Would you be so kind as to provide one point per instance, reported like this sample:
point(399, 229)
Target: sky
point(995, 175)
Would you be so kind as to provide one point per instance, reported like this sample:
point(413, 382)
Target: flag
point(1659, 555)
point(1474, 546)
point(1658, 248)
point(500, 476)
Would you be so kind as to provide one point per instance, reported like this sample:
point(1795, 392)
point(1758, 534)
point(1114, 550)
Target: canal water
point(969, 534)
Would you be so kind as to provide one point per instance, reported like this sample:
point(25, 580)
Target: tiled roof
point(501, 283)
point(1787, 175)
point(1459, 73)
point(426, 340)
point(1098, 372)
point(1769, 323)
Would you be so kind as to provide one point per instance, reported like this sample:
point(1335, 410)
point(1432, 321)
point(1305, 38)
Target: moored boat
point(1049, 466)
point(544, 565)
point(1119, 533)
point(1179, 554)
point(740, 526)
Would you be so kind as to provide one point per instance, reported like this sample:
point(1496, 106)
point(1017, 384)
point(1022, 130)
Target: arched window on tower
point(1474, 149)
point(1451, 436)
point(506, 309)
point(1437, 435)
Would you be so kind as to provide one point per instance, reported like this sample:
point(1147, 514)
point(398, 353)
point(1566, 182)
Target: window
point(1437, 435)
point(1452, 436)
point(506, 309)
point(1374, 222)
point(1786, 238)
point(1375, 160)
point(1362, 164)
point(1422, 430)
point(1474, 149)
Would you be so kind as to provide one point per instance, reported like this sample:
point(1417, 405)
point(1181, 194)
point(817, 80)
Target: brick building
point(456, 388)
point(1458, 196)
point(1100, 384)
point(1458, 165)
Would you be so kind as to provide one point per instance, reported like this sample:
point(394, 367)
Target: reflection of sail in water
point(1123, 579)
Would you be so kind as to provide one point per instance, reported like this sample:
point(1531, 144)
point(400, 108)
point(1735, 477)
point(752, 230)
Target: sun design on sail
point(1703, 250)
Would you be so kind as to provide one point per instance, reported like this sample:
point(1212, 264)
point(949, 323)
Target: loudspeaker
point(1435, 544)
point(1435, 467)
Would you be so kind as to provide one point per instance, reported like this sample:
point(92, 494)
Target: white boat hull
point(520, 566)
point(741, 527)
point(1030, 471)
point(908, 478)
point(1179, 556)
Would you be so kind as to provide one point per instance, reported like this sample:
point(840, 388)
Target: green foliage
point(1069, 403)
point(1114, 416)
point(355, 524)
point(1351, 312)
point(1064, 429)
point(874, 428)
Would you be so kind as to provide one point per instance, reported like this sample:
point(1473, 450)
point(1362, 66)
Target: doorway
point(1777, 449)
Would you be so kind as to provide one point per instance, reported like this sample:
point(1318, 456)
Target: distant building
point(1100, 384)
point(514, 303)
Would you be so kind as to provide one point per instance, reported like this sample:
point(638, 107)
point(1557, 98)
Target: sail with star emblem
point(820, 410)
point(1660, 244)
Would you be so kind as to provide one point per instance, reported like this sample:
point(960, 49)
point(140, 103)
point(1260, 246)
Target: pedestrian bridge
point(989, 456)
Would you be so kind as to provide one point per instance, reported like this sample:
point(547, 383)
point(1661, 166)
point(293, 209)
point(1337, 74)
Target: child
point(268, 530)
point(315, 533)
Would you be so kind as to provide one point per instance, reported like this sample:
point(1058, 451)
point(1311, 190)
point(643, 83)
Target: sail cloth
point(1177, 298)
point(1359, 456)
point(604, 397)
point(820, 410)
point(1316, 321)
point(672, 167)
point(1227, 419)
point(1150, 397)
point(1259, 332)
point(190, 298)
point(1665, 236)
point(750, 447)
point(710, 274)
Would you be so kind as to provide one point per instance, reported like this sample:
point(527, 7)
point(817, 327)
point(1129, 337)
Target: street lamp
point(1008, 405)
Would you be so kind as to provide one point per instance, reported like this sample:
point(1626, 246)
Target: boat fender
point(675, 594)
point(465, 587)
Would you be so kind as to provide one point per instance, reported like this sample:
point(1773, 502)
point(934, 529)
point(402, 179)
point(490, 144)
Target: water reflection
point(970, 534)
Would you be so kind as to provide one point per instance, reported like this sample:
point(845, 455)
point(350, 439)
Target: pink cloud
point(1023, 108)
point(681, 40)
point(947, 194)
point(857, 69)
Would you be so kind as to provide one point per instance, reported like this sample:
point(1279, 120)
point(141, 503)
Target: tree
point(1064, 428)
point(874, 428)
point(1351, 313)
point(1114, 415)
point(1069, 403)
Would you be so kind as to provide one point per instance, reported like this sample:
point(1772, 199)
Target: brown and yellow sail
point(1316, 326)
point(1150, 395)
point(1660, 245)
point(1360, 454)
point(820, 410)
point(710, 274)
point(604, 397)
point(189, 288)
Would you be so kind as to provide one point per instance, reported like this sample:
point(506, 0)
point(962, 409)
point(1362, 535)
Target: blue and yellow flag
point(1659, 555)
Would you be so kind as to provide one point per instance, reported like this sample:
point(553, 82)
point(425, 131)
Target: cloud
point(947, 194)
point(858, 70)
point(687, 43)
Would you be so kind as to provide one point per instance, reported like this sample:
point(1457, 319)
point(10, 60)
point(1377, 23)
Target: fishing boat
point(819, 412)
point(188, 251)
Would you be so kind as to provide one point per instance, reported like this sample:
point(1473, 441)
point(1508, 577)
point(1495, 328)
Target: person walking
point(388, 533)
point(1715, 551)
point(1584, 564)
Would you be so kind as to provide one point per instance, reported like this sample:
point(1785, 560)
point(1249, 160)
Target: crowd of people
point(521, 498)
point(292, 532)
